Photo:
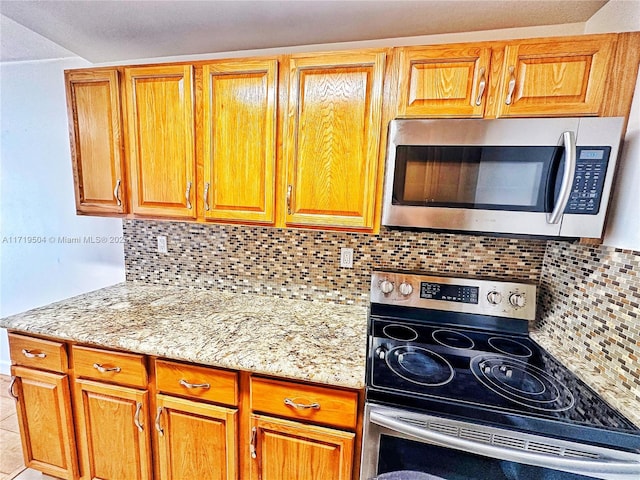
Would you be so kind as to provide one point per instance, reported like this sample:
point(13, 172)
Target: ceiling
point(118, 30)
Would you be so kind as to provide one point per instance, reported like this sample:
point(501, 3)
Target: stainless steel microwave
point(547, 177)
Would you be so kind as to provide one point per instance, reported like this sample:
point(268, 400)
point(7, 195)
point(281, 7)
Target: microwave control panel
point(588, 182)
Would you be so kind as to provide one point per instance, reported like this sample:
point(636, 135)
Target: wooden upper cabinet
point(239, 140)
point(444, 81)
point(160, 140)
point(93, 104)
point(555, 77)
point(333, 139)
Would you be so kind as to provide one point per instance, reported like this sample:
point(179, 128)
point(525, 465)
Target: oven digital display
point(450, 293)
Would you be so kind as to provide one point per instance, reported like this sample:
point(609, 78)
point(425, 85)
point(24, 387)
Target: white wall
point(37, 200)
point(623, 226)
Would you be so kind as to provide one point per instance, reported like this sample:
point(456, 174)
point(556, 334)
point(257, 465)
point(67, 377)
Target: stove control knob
point(381, 352)
point(517, 300)
point(386, 287)
point(405, 289)
point(494, 297)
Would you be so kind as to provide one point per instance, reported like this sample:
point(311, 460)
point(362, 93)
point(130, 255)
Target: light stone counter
point(621, 399)
point(311, 341)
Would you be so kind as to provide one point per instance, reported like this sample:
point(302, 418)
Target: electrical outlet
point(346, 257)
point(162, 244)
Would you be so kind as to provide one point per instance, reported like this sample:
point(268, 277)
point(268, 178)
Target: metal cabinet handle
point(254, 440)
point(301, 406)
point(206, 196)
point(30, 354)
point(481, 86)
point(116, 193)
point(158, 427)
point(13, 381)
point(184, 383)
point(136, 417)
point(512, 85)
point(187, 195)
point(102, 369)
point(289, 189)
point(568, 139)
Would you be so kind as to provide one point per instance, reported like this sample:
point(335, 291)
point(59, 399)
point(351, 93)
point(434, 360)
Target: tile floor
point(11, 462)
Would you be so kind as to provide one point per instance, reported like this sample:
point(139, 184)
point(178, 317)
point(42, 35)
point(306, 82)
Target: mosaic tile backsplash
point(305, 264)
point(589, 303)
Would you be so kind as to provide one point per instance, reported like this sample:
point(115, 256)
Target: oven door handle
point(612, 469)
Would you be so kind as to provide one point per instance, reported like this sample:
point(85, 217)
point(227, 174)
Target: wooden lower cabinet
point(113, 431)
point(43, 404)
point(195, 440)
point(286, 450)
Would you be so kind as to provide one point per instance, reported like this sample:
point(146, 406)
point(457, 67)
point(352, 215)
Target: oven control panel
point(464, 295)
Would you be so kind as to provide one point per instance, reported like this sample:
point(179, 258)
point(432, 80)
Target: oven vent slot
point(476, 435)
point(544, 448)
point(580, 454)
point(510, 442)
point(488, 437)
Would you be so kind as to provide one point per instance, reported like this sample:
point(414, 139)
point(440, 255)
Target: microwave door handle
point(609, 468)
point(569, 142)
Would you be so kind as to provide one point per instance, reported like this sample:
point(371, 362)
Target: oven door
point(400, 440)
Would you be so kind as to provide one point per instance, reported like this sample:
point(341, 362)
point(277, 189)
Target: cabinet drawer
point(196, 382)
point(105, 365)
point(305, 402)
point(37, 353)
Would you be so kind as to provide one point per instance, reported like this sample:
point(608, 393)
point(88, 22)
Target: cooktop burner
point(521, 383)
point(420, 366)
point(440, 345)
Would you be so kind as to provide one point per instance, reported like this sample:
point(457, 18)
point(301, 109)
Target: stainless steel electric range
point(456, 389)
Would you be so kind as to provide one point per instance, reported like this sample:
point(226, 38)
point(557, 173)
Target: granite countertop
point(622, 400)
point(296, 339)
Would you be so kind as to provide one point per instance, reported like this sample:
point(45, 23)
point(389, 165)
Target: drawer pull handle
point(512, 85)
point(158, 427)
point(481, 87)
point(136, 417)
point(184, 383)
point(102, 369)
point(301, 406)
point(116, 193)
point(13, 381)
point(30, 354)
point(254, 439)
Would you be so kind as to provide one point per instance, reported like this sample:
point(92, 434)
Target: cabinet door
point(555, 77)
point(444, 81)
point(113, 431)
point(43, 406)
point(195, 440)
point(160, 142)
point(333, 140)
point(239, 140)
point(93, 104)
point(287, 450)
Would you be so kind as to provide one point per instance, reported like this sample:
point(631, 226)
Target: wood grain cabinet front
point(113, 428)
point(564, 76)
point(95, 131)
point(332, 139)
point(195, 440)
point(38, 353)
point(286, 450)
point(239, 100)
point(160, 140)
point(43, 405)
